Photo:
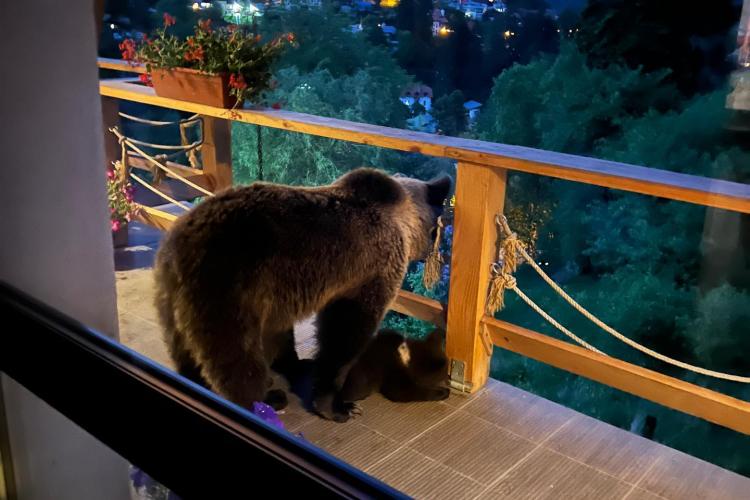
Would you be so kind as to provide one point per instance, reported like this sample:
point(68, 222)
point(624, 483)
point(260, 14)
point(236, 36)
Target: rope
point(182, 148)
point(434, 262)
point(190, 121)
point(127, 141)
point(192, 158)
point(163, 195)
point(553, 322)
point(513, 242)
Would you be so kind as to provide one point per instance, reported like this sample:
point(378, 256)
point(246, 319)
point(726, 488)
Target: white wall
point(55, 242)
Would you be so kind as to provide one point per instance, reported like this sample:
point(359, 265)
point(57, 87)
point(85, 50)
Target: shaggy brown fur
point(401, 369)
point(235, 274)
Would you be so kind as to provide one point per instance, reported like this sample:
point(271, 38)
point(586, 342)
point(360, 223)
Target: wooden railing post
point(110, 118)
point(216, 151)
point(480, 195)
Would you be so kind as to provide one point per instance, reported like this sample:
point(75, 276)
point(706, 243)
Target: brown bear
point(401, 369)
point(234, 275)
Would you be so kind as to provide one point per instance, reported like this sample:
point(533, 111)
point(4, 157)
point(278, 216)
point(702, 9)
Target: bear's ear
point(374, 186)
point(438, 189)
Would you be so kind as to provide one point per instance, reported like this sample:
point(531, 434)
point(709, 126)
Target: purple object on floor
point(268, 414)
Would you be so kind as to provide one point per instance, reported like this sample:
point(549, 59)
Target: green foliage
point(649, 35)
point(370, 95)
point(725, 313)
point(450, 114)
point(325, 43)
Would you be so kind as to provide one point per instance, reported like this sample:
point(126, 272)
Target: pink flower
point(115, 225)
point(110, 174)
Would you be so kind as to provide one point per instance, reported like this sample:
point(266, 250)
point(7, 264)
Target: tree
point(674, 34)
point(450, 114)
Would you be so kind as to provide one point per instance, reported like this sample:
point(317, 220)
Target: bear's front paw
point(333, 408)
point(442, 393)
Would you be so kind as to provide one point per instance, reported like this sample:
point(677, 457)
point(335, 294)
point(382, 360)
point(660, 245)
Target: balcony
point(488, 439)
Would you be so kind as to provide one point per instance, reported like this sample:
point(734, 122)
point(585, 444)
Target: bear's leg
point(286, 362)
point(185, 365)
point(344, 328)
point(233, 363)
point(184, 362)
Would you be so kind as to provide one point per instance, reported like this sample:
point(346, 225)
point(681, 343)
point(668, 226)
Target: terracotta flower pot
point(194, 86)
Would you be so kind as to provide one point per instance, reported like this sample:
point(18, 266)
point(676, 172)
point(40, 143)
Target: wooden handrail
point(643, 180)
point(120, 65)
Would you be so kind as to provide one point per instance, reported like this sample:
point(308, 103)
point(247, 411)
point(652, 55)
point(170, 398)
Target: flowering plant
point(120, 195)
point(232, 50)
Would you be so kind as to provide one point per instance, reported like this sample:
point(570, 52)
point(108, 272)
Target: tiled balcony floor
point(499, 443)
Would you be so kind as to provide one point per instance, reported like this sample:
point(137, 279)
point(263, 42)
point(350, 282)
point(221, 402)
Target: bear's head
point(428, 364)
point(418, 203)
point(428, 201)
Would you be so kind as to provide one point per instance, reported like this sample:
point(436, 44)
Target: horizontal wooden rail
point(643, 180)
point(155, 217)
point(120, 65)
point(420, 307)
point(654, 386)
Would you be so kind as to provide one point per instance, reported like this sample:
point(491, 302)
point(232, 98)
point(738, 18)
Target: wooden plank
point(480, 196)
point(650, 181)
point(216, 151)
point(155, 218)
point(119, 65)
point(420, 307)
point(654, 386)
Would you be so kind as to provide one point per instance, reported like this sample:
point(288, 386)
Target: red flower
point(205, 25)
point(169, 20)
point(145, 78)
point(194, 55)
point(237, 81)
point(128, 50)
point(290, 37)
point(276, 105)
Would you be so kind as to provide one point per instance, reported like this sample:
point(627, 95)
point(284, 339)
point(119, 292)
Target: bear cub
point(401, 369)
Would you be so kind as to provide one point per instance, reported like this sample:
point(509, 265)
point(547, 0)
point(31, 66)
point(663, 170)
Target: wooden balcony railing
point(480, 194)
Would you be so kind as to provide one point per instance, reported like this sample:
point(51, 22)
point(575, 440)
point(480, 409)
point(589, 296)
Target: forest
point(637, 81)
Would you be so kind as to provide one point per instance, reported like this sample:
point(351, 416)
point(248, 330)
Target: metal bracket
point(458, 376)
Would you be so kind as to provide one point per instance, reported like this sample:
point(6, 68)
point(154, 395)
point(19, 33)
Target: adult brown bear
point(235, 274)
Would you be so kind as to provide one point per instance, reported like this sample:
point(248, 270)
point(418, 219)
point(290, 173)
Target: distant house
point(310, 4)
point(472, 111)
point(388, 30)
point(473, 9)
point(418, 93)
point(439, 23)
